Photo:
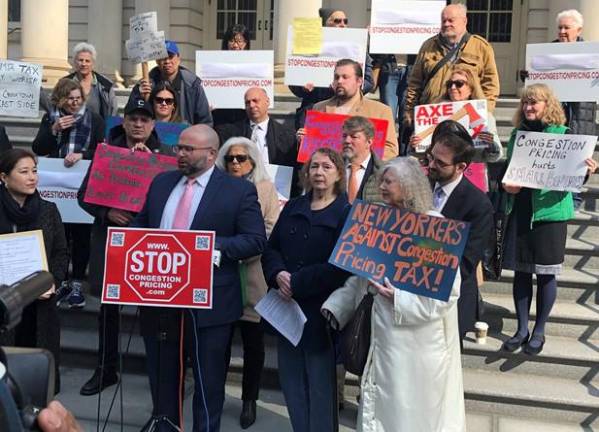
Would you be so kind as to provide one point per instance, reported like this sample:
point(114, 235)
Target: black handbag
point(355, 337)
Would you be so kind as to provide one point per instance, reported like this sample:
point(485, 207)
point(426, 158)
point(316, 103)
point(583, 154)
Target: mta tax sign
point(150, 267)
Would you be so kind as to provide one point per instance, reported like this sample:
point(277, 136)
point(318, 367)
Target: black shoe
point(515, 342)
point(534, 345)
point(93, 385)
point(248, 414)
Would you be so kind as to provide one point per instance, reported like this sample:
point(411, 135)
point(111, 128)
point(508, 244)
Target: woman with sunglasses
point(241, 158)
point(464, 85)
point(164, 103)
point(537, 226)
point(236, 38)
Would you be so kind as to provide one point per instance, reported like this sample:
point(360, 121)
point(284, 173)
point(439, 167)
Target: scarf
point(78, 136)
point(533, 125)
point(14, 218)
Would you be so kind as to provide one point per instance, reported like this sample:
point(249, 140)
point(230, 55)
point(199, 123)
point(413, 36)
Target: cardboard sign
point(337, 43)
point(227, 75)
point(20, 88)
point(549, 161)
point(60, 185)
point(419, 253)
point(168, 133)
point(120, 178)
point(151, 267)
point(145, 41)
point(400, 27)
point(325, 130)
point(570, 69)
point(472, 114)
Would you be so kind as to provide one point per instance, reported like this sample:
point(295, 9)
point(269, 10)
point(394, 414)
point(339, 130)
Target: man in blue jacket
point(198, 196)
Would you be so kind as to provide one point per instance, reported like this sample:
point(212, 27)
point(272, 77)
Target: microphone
point(14, 298)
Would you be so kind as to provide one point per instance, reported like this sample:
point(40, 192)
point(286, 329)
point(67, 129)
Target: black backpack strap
point(445, 59)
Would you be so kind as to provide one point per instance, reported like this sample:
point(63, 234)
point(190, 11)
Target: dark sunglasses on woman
point(161, 101)
point(457, 83)
point(238, 158)
point(340, 20)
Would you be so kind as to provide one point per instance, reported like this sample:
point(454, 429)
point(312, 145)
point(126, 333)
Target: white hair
point(461, 6)
point(570, 13)
point(259, 173)
point(84, 47)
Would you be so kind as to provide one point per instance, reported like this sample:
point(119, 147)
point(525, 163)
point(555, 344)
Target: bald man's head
point(453, 22)
point(256, 104)
point(197, 149)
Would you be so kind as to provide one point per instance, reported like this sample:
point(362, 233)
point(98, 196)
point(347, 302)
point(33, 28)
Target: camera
point(26, 374)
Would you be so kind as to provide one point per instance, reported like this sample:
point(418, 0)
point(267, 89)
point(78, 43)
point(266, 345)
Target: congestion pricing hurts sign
point(152, 267)
point(326, 130)
point(549, 161)
point(418, 253)
point(120, 178)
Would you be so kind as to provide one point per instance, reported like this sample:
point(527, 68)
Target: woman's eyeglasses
point(340, 20)
point(457, 83)
point(238, 158)
point(164, 101)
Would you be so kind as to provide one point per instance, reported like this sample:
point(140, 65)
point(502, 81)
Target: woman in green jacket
point(537, 227)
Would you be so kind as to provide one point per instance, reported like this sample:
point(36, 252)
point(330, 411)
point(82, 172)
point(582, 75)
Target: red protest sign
point(120, 178)
point(325, 130)
point(150, 267)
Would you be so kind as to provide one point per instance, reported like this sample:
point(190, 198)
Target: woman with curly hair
point(537, 226)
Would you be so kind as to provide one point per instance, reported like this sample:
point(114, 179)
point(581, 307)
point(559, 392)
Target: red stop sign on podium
point(152, 267)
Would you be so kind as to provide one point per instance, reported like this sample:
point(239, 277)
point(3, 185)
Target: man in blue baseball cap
point(193, 104)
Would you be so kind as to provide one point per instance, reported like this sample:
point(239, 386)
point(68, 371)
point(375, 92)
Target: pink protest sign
point(120, 178)
point(325, 130)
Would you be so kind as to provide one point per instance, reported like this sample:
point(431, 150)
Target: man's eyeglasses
point(161, 101)
point(238, 158)
point(457, 83)
point(441, 164)
point(188, 149)
point(340, 20)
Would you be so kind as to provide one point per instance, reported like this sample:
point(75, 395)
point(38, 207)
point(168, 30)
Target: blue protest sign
point(419, 253)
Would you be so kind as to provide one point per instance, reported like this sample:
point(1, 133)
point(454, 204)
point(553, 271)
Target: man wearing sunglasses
point(193, 104)
point(456, 198)
point(438, 54)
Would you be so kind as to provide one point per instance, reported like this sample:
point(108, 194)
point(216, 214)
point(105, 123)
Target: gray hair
point(570, 13)
point(259, 173)
point(461, 6)
point(415, 187)
point(84, 47)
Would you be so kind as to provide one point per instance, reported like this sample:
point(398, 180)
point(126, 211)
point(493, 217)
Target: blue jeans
point(308, 380)
point(393, 87)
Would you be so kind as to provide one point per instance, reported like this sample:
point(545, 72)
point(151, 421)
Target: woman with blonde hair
point(412, 380)
point(537, 226)
point(463, 85)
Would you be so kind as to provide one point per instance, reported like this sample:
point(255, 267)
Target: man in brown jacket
point(474, 52)
point(349, 100)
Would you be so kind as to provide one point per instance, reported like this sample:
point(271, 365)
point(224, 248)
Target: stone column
point(102, 16)
point(284, 13)
point(45, 36)
point(3, 29)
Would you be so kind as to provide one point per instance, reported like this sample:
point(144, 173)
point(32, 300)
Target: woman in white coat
point(412, 381)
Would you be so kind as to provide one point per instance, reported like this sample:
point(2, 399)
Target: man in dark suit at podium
point(198, 196)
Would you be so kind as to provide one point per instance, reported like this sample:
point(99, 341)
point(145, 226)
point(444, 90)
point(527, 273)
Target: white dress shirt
point(259, 131)
point(168, 215)
point(447, 190)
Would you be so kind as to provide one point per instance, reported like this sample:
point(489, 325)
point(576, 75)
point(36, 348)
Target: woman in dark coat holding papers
point(537, 227)
point(22, 209)
point(412, 381)
point(295, 263)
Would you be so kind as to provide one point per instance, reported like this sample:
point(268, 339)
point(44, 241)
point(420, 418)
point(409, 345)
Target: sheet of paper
point(20, 255)
point(308, 36)
point(402, 16)
point(285, 316)
point(229, 70)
